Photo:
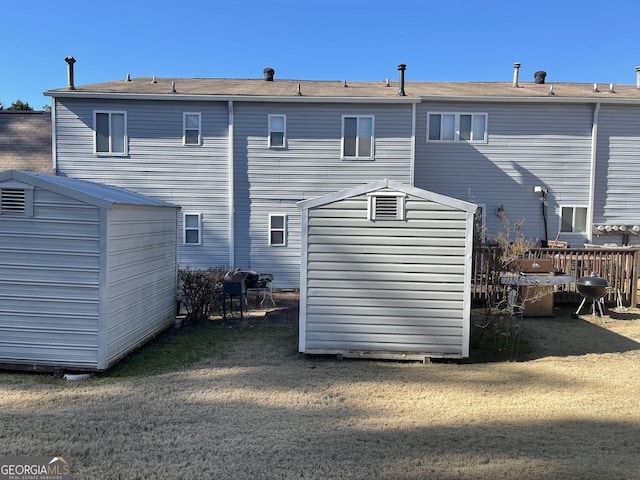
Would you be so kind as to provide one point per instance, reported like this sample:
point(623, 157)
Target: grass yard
point(241, 403)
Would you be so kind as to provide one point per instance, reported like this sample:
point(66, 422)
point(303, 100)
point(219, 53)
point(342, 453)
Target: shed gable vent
point(386, 206)
point(12, 201)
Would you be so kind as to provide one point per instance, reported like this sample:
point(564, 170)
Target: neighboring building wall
point(140, 277)
point(158, 164)
point(272, 180)
point(49, 283)
point(528, 145)
point(617, 195)
point(386, 286)
point(25, 141)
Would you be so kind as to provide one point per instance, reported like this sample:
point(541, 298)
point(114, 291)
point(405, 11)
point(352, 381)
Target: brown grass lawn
point(569, 410)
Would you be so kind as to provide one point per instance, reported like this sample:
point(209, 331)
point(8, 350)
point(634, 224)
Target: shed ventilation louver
point(12, 201)
point(386, 206)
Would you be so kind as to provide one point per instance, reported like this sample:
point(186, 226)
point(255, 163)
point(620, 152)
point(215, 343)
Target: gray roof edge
point(386, 183)
point(97, 194)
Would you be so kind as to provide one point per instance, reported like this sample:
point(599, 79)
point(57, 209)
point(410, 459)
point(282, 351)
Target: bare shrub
point(200, 292)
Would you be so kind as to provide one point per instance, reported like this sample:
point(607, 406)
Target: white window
point(277, 230)
point(110, 132)
point(573, 219)
point(192, 129)
point(192, 228)
point(386, 206)
point(457, 127)
point(277, 131)
point(16, 200)
point(357, 137)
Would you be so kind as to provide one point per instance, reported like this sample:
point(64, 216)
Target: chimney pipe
point(516, 72)
point(637, 77)
point(71, 84)
point(401, 68)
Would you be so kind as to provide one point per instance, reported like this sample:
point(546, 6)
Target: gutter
point(231, 98)
point(592, 172)
point(232, 202)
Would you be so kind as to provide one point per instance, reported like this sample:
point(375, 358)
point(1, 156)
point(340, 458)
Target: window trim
point(401, 208)
point(272, 130)
point(373, 137)
point(456, 132)
point(573, 220)
point(184, 129)
point(184, 228)
point(283, 229)
point(125, 139)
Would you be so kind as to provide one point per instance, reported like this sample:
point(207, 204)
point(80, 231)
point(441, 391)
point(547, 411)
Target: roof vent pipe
point(71, 82)
point(401, 68)
point(516, 72)
point(637, 77)
point(268, 74)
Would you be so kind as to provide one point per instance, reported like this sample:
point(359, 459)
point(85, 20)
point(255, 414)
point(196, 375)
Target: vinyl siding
point(528, 145)
point(386, 286)
point(272, 180)
point(141, 276)
point(49, 283)
point(617, 196)
point(195, 177)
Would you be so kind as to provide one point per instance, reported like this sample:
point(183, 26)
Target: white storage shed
point(386, 273)
point(88, 272)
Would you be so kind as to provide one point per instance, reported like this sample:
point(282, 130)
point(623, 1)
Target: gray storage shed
point(386, 273)
point(87, 271)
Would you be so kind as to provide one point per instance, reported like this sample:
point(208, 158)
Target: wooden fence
point(619, 266)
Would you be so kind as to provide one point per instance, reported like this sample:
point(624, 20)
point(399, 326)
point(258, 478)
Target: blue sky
point(465, 40)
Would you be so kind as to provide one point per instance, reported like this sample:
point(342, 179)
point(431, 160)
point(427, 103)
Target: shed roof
point(393, 185)
point(104, 196)
point(344, 90)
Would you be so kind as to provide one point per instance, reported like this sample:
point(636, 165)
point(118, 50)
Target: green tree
point(20, 105)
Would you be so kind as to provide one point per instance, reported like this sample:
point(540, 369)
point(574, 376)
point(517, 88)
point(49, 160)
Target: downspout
point(232, 202)
point(54, 149)
point(412, 168)
point(592, 176)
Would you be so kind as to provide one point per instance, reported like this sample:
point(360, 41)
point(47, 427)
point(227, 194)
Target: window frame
point(456, 128)
point(357, 156)
point(125, 139)
point(401, 208)
point(184, 129)
point(271, 130)
point(271, 229)
point(185, 228)
point(573, 219)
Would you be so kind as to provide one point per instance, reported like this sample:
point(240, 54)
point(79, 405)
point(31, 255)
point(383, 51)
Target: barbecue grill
point(592, 288)
point(234, 285)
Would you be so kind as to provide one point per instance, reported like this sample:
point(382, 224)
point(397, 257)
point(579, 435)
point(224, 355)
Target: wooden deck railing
point(619, 266)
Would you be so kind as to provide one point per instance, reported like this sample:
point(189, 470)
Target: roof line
point(226, 98)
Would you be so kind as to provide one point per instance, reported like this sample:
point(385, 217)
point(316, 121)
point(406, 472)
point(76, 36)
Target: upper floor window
point(457, 127)
point(192, 228)
point(192, 129)
point(277, 230)
point(111, 132)
point(357, 137)
point(386, 206)
point(277, 131)
point(573, 219)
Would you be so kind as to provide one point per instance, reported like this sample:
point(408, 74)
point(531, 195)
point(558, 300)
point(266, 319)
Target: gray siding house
point(386, 273)
point(88, 272)
point(238, 154)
